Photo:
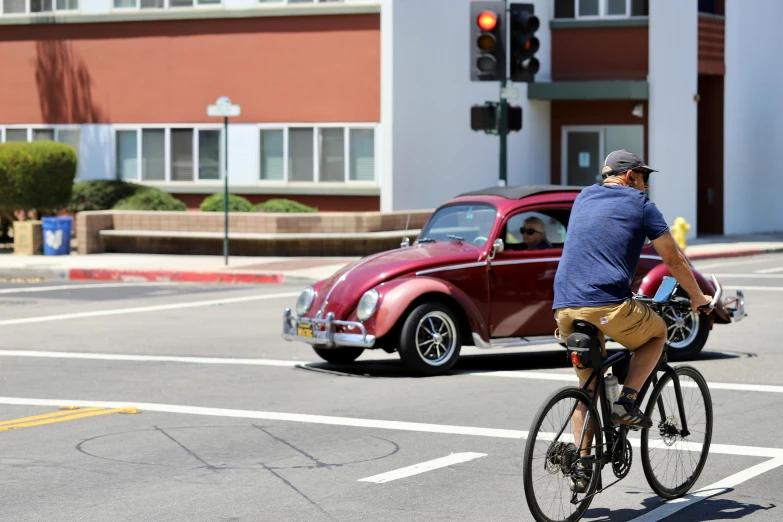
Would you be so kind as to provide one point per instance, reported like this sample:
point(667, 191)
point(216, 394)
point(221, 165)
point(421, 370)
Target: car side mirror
point(405, 242)
point(497, 247)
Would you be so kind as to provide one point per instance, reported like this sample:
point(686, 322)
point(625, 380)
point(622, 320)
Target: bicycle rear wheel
point(672, 463)
point(549, 464)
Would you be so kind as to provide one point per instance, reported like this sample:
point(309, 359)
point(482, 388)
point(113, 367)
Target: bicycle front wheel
point(672, 463)
point(551, 457)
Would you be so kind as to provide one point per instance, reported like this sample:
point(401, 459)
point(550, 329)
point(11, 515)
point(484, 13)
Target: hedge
point(36, 176)
point(214, 203)
point(101, 194)
point(283, 205)
point(150, 199)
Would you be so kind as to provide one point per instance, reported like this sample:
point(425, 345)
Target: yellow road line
point(49, 415)
point(62, 417)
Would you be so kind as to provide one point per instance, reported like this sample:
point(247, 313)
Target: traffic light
point(487, 41)
point(523, 44)
point(484, 117)
point(514, 118)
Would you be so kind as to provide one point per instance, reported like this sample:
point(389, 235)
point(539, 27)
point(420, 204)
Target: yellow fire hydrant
point(679, 231)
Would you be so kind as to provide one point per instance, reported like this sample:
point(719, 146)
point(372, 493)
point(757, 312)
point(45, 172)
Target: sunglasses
point(530, 231)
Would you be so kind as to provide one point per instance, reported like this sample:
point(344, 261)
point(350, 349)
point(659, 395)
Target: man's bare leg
point(643, 362)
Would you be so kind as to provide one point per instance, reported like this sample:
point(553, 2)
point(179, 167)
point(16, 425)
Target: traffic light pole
point(503, 133)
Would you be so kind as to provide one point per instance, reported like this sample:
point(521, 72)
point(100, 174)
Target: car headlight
point(305, 300)
point(367, 305)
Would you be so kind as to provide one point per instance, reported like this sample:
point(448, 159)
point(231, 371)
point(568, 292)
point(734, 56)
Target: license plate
point(305, 330)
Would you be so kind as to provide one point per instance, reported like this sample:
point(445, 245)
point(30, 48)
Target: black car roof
point(521, 191)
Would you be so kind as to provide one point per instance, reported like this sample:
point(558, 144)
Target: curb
point(733, 253)
point(171, 276)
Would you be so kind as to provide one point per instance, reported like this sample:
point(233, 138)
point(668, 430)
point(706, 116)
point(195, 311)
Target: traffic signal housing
point(523, 43)
point(487, 41)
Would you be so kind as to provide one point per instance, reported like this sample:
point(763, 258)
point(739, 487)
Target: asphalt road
point(191, 407)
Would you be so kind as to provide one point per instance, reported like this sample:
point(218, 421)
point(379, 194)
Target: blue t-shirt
point(603, 243)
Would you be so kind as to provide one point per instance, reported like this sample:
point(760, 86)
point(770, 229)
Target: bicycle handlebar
point(710, 306)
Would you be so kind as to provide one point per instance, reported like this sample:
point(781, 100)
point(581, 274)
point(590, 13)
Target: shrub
point(150, 199)
point(214, 203)
point(36, 176)
point(283, 205)
point(101, 194)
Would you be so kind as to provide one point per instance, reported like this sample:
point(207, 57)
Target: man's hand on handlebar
point(701, 300)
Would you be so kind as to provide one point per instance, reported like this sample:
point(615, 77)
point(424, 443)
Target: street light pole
point(224, 108)
point(225, 192)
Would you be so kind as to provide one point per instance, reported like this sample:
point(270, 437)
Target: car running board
point(512, 342)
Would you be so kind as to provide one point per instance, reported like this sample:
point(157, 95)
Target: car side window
point(535, 230)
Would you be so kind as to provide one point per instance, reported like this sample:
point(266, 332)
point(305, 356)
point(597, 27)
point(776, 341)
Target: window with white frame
point(162, 4)
point(37, 6)
point(169, 154)
point(317, 154)
point(570, 9)
point(67, 135)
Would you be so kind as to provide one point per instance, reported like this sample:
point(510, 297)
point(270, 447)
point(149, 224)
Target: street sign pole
point(224, 108)
point(503, 133)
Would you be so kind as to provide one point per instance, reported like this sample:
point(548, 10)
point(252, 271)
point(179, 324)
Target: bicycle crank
point(621, 461)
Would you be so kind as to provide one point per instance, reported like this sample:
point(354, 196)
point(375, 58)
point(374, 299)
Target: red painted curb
point(159, 276)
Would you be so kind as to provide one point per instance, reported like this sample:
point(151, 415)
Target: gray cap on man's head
point(621, 161)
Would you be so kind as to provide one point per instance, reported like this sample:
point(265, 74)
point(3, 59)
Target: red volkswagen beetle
point(470, 279)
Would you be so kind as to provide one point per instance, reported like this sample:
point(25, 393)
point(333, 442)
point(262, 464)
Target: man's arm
point(678, 265)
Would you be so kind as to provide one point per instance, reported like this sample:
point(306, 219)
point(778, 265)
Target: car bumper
point(736, 306)
point(302, 329)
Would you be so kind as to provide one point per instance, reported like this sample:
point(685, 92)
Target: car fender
point(653, 279)
point(396, 296)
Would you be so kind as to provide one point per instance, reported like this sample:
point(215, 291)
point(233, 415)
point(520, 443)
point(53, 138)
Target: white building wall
point(752, 118)
point(429, 152)
point(673, 79)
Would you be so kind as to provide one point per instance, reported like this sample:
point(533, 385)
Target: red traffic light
point(487, 20)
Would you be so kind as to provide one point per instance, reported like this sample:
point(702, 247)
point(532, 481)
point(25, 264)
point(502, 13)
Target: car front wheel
point(339, 355)
point(686, 334)
point(430, 340)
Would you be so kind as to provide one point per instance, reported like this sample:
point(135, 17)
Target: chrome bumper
point(327, 338)
point(736, 306)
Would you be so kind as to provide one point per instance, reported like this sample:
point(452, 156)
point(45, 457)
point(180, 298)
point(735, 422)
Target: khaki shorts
point(630, 323)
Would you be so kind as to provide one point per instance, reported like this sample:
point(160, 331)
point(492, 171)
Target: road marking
point(572, 378)
point(722, 486)
point(754, 288)
point(81, 287)
point(454, 458)
point(473, 431)
point(140, 309)
point(148, 358)
point(769, 270)
point(749, 276)
point(61, 416)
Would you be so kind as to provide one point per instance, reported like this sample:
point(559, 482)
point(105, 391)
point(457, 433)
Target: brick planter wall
point(321, 234)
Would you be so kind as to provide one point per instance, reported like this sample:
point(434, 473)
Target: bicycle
point(564, 464)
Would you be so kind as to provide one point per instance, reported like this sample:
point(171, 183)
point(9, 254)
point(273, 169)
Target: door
point(583, 157)
point(522, 278)
point(585, 148)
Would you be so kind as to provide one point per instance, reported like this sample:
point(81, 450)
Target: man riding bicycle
point(606, 233)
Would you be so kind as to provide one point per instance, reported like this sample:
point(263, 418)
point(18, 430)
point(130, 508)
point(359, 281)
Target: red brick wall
point(279, 69)
point(605, 53)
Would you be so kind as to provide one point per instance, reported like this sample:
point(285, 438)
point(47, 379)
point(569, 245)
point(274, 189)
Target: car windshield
point(469, 223)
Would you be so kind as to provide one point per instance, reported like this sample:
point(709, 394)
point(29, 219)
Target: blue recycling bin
point(56, 235)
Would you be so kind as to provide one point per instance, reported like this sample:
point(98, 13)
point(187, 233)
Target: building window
point(66, 135)
point(305, 1)
point(169, 154)
point(323, 154)
point(162, 4)
point(37, 6)
point(600, 8)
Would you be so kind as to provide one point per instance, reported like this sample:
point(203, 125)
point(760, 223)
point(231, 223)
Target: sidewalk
point(241, 269)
